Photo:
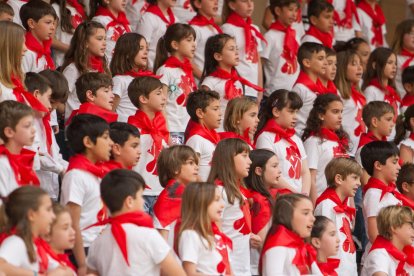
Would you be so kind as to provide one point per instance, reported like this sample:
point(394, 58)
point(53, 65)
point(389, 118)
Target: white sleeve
point(28, 61)
point(371, 203)
point(325, 209)
point(377, 261)
point(91, 258)
point(157, 247)
point(146, 28)
point(13, 250)
point(265, 142)
point(189, 246)
point(118, 87)
point(313, 151)
point(195, 143)
point(274, 261)
point(73, 189)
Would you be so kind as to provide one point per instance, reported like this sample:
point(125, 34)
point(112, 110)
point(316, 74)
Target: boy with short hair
point(312, 61)
point(38, 18)
point(205, 116)
point(6, 12)
point(88, 137)
point(408, 84)
point(405, 184)
point(321, 21)
point(343, 179)
point(121, 192)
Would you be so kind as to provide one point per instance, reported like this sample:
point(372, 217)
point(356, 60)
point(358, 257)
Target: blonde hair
point(234, 113)
point(393, 217)
point(342, 166)
point(57, 210)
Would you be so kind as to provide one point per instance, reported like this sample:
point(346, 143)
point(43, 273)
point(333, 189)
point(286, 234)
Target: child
point(238, 24)
point(134, 11)
point(395, 231)
point(280, 62)
point(177, 75)
point(111, 14)
point(343, 179)
point(326, 242)
point(362, 48)
point(292, 222)
point(404, 183)
point(405, 125)
point(276, 132)
point(324, 139)
point(177, 167)
point(183, 10)
point(241, 120)
point(372, 22)
point(330, 72)
point(154, 23)
point(147, 96)
point(312, 60)
point(346, 20)
point(202, 247)
point(205, 116)
point(86, 53)
point(88, 137)
point(16, 131)
point(408, 84)
point(38, 18)
point(136, 248)
point(6, 12)
point(321, 20)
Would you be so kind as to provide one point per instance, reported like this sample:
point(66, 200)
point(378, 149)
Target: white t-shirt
point(349, 123)
point(8, 181)
point(410, 14)
point(145, 246)
point(120, 88)
point(30, 63)
point(342, 33)
point(408, 142)
point(366, 28)
point(134, 11)
point(71, 74)
point(6, 93)
point(183, 10)
point(170, 228)
point(16, 6)
point(205, 149)
point(378, 260)
point(308, 97)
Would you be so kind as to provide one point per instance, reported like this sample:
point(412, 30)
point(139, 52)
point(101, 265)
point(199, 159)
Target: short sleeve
point(28, 61)
point(13, 250)
point(189, 246)
point(371, 203)
point(377, 261)
point(118, 87)
point(73, 189)
point(313, 150)
point(71, 75)
point(157, 247)
point(274, 261)
point(265, 142)
point(325, 209)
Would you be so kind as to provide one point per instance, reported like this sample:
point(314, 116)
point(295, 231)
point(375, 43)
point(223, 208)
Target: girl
point(202, 247)
point(324, 139)
point(177, 75)
point(347, 80)
point(284, 251)
point(111, 14)
point(372, 22)
point(361, 47)
point(220, 74)
point(241, 120)
point(238, 24)
point(405, 123)
point(330, 72)
point(276, 132)
point(403, 46)
point(129, 61)
point(230, 164)
point(177, 166)
point(326, 242)
point(86, 53)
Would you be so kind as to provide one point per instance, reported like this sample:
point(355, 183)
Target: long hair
point(235, 110)
point(403, 124)
point(226, 10)
point(126, 48)
point(65, 16)
point(375, 67)
point(402, 29)
point(345, 58)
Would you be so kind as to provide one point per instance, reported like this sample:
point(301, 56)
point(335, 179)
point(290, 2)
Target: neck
point(376, 134)
point(225, 67)
point(397, 243)
point(57, 250)
point(321, 257)
point(380, 177)
point(340, 194)
point(277, 120)
point(114, 12)
point(179, 56)
point(13, 147)
point(283, 23)
point(123, 211)
point(120, 161)
point(90, 156)
point(150, 113)
point(324, 81)
point(163, 7)
point(202, 13)
point(385, 82)
point(201, 122)
point(37, 38)
point(312, 76)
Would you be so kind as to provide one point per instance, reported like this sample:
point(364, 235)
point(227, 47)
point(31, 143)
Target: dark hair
point(58, 83)
point(375, 66)
point(408, 75)
point(319, 226)
point(65, 19)
point(406, 174)
point(6, 8)
point(117, 185)
point(142, 86)
point(345, 58)
point(120, 132)
point(403, 124)
point(404, 27)
point(280, 4)
point(35, 9)
point(11, 112)
point(279, 99)
point(91, 81)
point(200, 99)
point(354, 43)
point(316, 7)
point(375, 109)
point(126, 48)
point(377, 151)
point(35, 81)
point(307, 50)
point(84, 125)
point(175, 32)
point(330, 52)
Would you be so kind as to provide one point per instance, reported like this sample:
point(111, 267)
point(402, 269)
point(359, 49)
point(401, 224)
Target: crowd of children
point(148, 137)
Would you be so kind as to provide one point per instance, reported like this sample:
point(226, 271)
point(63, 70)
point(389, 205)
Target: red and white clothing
point(365, 139)
point(134, 10)
point(93, 109)
point(372, 22)
point(38, 56)
point(409, 142)
point(330, 268)
point(346, 19)
point(315, 35)
point(406, 101)
point(183, 10)
point(249, 41)
point(289, 149)
point(404, 59)
point(342, 215)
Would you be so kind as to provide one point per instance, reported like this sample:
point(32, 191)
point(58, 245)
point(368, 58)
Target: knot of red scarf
point(40, 49)
point(80, 162)
point(245, 137)
point(316, 87)
point(121, 19)
point(375, 183)
point(23, 96)
point(200, 20)
point(378, 20)
point(325, 38)
point(195, 128)
point(390, 95)
point(222, 242)
point(328, 268)
point(341, 207)
point(410, 58)
point(349, 12)
point(96, 64)
point(331, 135)
point(169, 199)
point(154, 9)
point(359, 100)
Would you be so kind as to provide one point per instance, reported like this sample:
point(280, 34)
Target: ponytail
point(403, 124)
point(161, 53)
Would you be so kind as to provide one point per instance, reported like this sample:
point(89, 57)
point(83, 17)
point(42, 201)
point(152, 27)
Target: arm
point(78, 251)
point(164, 233)
point(92, 272)
point(191, 269)
point(117, 99)
point(59, 45)
point(306, 178)
point(12, 270)
point(313, 194)
point(365, 177)
point(406, 154)
point(380, 274)
point(197, 72)
point(372, 230)
point(170, 267)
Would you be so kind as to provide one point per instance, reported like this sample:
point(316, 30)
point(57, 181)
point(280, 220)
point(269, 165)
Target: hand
point(55, 129)
point(82, 270)
point(255, 241)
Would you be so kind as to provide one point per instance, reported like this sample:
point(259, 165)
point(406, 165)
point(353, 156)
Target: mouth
point(309, 227)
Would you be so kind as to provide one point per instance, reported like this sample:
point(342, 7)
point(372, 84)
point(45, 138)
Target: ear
point(338, 179)
point(275, 112)
point(31, 215)
point(174, 45)
point(258, 171)
point(306, 62)
point(277, 11)
point(128, 202)
point(408, 87)
point(405, 186)
point(316, 242)
point(218, 56)
point(87, 142)
point(321, 117)
point(116, 149)
point(31, 23)
point(377, 166)
point(36, 93)
point(89, 96)
point(374, 64)
point(374, 122)
point(197, 4)
point(313, 20)
point(232, 5)
point(200, 114)
point(142, 99)
point(9, 132)
point(412, 122)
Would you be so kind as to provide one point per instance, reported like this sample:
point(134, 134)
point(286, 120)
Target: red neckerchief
point(390, 95)
point(245, 137)
point(406, 201)
point(359, 100)
point(368, 138)
point(154, 9)
point(40, 49)
point(200, 20)
point(332, 136)
point(91, 108)
point(80, 162)
point(62, 259)
point(330, 88)
point(325, 38)
point(23, 96)
point(111, 165)
point(230, 89)
point(195, 128)
point(341, 207)
point(96, 64)
point(407, 100)
point(378, 19)
point(349, 11)
point(290, 47)
point(375, 183)
point(304, 79)
point(41, 246)
point(22, 166)
point(169, 199)
point(382, 243)
point(142, 73)
point(410, 58)
point(222, 242)
point(328, 268)
point(48, 132)
point(137, 218)
point(238, 21)
point(409, 252)
point(77, 6)
point(281, 236)
point(120, 20)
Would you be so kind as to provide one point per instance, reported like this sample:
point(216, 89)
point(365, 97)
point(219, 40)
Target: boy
point(146, 94)
point(6, 12)
point(405, 184)
point(205, 116)
point(130, 246)
point(320, 14)
point(88, 137)
point(408, 84)
point(204, 27)
point(280, 62)
point(372, 22)
point(343, 178)
point(16, 131)
point(312, 61)
point(38, 18)
point(330, 73)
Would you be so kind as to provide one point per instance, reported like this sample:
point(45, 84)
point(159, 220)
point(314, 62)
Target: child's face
point(385, 124)
point(45, 98)
point(59, 106)
point(211, 117)
point(364, 51)
point(24, 132)
point(186, 47)
point(188, 172)
point(328, 243)
point(44, 28)
point(349, 186)
point(104, 98)
point(138, 201)
point(101, 150)
point(404, 234)
point(408, 40)
point(317, 63)
point(249, 120)
point(303, 219)
point(117, 5)
point(324, 22)
point(6, 17)
point(42, 218)
point(229, 55)
point(141, 58)
point(408, 189)
point(156, 99)
point(390, 169)
point(215, 209)
point(242, 164)
point(286, 117)
point(390, 69)
point(287, 14)
point(244, 8)
point(96, 43)
point(62, 235)
point(332, 119)
point(207, 8)
point(272, 172)
point(330, 68)
point(130, 152)
point(354, 70)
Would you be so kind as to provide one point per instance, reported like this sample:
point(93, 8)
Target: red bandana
point(349, 11)
point(330, 88)
point(368, 138)
point(359, 100)
point(332, 136)
point(375, 183)
point(195, 128)
point(390, 95)
point(48, 132)
point(328, 268)
point(22, 166)
point(77, 6)
point(41, 248)
point(410, 58)
point(202, 21)
point(154, 9)
point(378, 19)
point(96, 64)
point(245, 137)
point(222, 242)
point(41, 50)
point(382, 243)
point(116, 21)
point(111, 165)
point(91, 108)
point(25, 97)
point(142, 73)
point(62, 259)
point(325, 38)
point(316, 88)
point(169, 199)
point(80, 162)
point(406, 201)
point(407, 100)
